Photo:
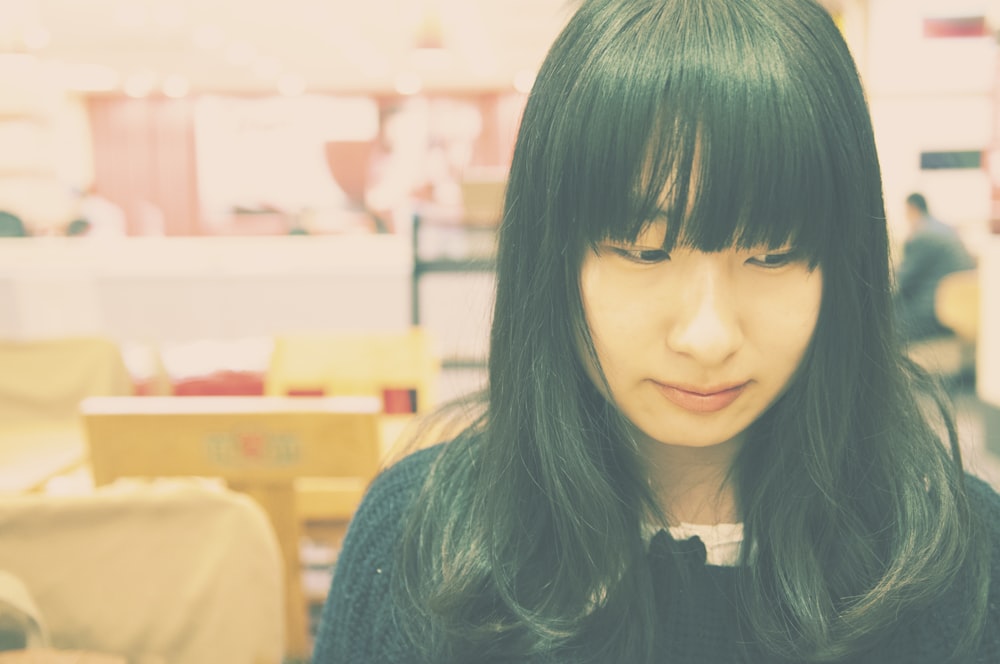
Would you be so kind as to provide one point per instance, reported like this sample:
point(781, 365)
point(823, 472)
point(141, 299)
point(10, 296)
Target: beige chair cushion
point(162, 572)
point(956, 304)
point(51, 656)
point(46, 379)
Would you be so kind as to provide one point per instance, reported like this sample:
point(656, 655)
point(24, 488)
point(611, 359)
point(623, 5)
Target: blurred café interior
point(245, 246)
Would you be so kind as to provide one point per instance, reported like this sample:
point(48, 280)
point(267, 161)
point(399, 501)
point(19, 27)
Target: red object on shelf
point(221, 383)
point(307, 392)
point(955, 26)
point(395, 400)
point(143, 388)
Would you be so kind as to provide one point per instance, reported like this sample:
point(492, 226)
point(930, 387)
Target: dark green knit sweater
point(356, 625)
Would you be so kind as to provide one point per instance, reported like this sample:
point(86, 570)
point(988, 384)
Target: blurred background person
point(11, 225)
point(931, 251)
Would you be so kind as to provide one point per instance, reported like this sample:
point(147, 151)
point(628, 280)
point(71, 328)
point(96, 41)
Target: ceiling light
point(430, 34)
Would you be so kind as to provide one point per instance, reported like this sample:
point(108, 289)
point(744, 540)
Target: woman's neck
point(693, 484)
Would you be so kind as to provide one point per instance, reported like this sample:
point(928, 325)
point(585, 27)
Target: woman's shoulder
point(933, 630)
point(395, 487)
point(411, 466)
point(985, 501)
point(355, 624)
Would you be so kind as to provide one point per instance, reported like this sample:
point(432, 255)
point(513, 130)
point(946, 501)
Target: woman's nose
point(706, 326)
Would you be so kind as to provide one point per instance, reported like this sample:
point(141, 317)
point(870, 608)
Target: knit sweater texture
point(357, 625)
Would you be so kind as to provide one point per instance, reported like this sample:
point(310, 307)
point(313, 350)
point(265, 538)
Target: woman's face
point(696, 346)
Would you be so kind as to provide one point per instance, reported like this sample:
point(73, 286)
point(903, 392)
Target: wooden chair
point(383, 364)
point(173, 571)
point(45, 379)
point(42, 382)
point(48, 656)
point(356, 363)
point(956, 306)
point(258, 445)
point(482, 198)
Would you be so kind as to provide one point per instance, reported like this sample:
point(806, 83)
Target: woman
point(700, 440)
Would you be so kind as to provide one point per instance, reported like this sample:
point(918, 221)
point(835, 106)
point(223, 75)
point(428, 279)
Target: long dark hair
point(529, 526)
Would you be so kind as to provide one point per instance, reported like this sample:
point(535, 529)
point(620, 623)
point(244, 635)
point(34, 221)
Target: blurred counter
point(180, 289)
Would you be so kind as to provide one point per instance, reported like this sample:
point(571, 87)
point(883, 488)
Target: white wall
point(938, 95)
point(185, 289)
point(930, 95)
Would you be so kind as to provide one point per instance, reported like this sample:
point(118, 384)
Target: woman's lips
point(702, 401)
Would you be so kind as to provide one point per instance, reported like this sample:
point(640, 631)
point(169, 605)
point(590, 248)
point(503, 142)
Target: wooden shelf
point(475, 263)
point(463, 363)
point(421, 267)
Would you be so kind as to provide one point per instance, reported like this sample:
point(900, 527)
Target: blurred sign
point(252, 447)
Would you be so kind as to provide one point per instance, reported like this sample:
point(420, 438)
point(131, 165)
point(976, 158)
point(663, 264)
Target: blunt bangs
point(726, 131)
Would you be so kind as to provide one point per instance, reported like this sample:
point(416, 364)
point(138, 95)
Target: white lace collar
point(722, 541)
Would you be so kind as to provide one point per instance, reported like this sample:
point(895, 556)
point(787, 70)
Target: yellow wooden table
point(50, 656)
point(259, 445)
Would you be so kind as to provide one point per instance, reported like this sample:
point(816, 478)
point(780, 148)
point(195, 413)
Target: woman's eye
point(642, 256)
point(774, 260)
